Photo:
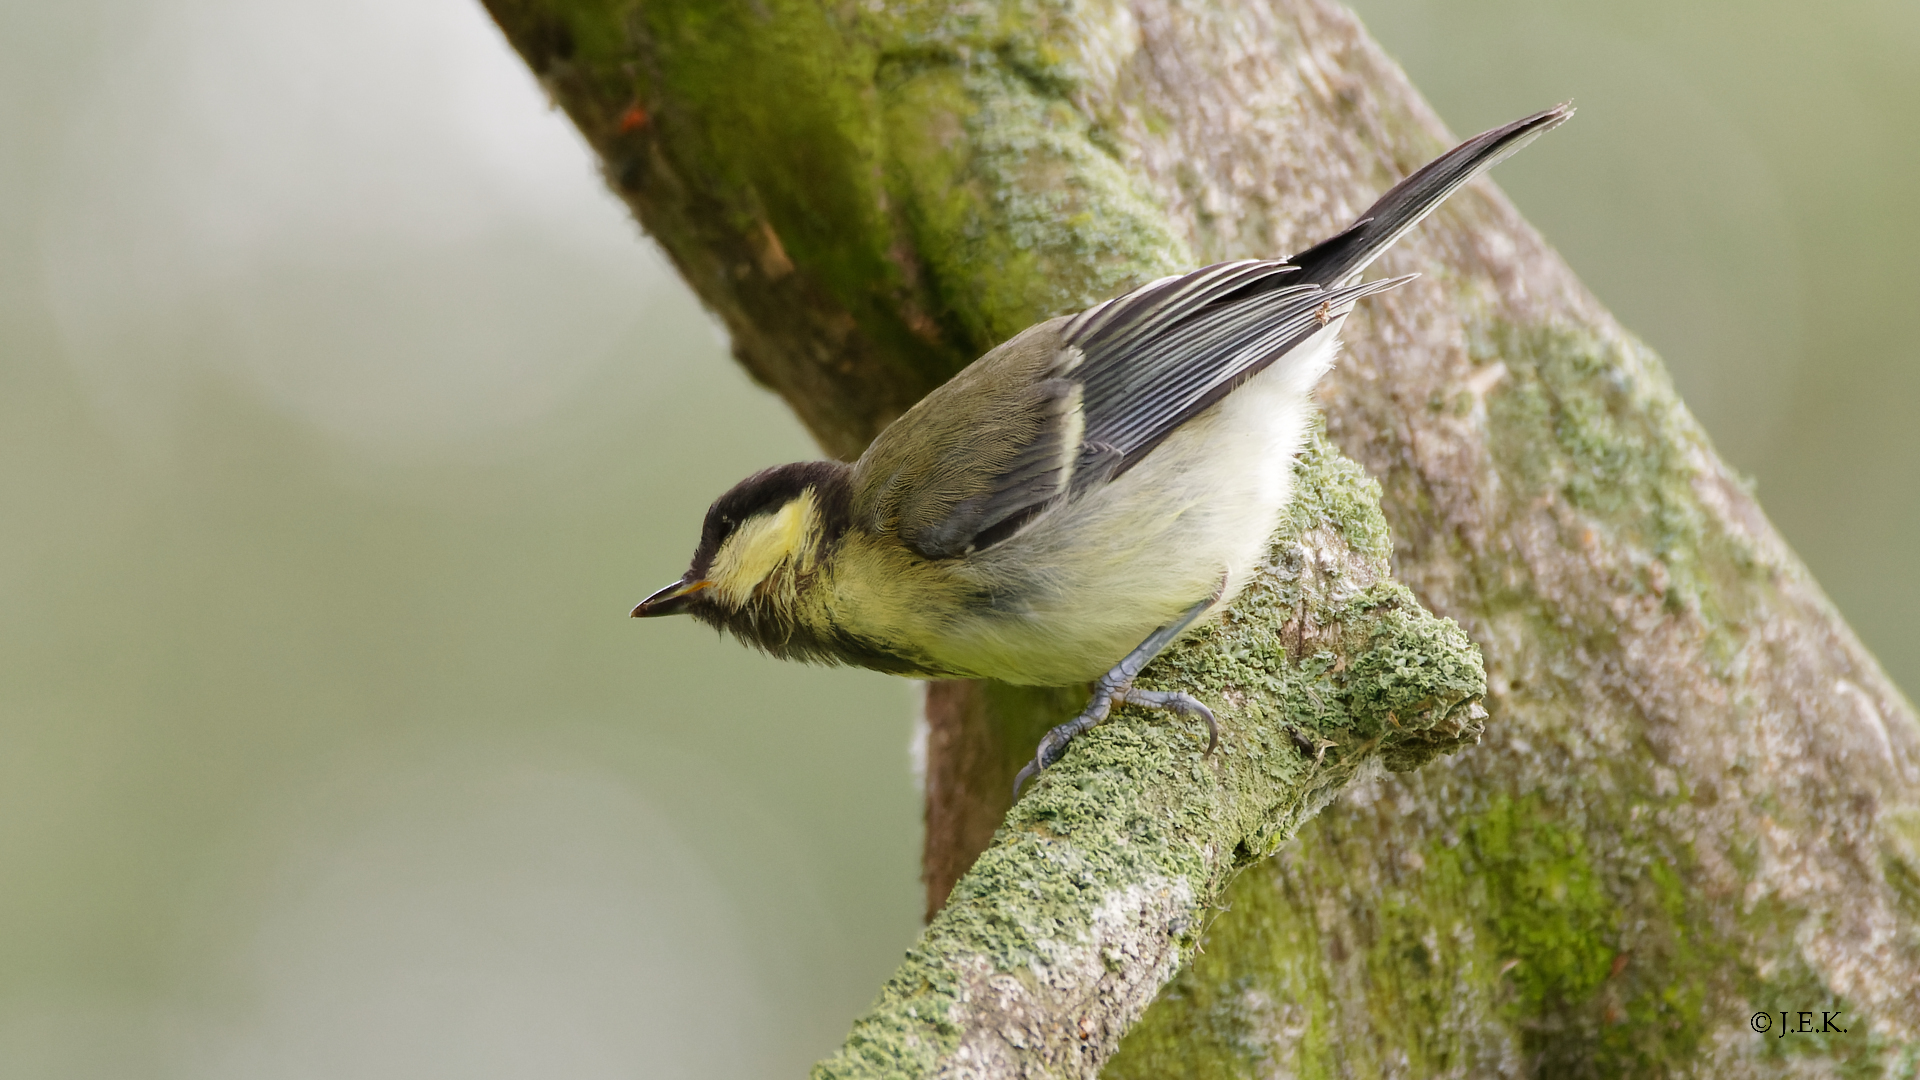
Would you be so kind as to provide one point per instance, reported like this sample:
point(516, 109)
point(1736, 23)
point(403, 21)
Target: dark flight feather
point(1341, 256)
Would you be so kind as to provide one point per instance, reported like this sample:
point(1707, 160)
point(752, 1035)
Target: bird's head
point(760, 545)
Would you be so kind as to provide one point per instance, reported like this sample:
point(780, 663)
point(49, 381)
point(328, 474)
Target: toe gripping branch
point(1115, 688)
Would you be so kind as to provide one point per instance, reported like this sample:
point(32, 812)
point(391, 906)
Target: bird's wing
point(1160, 355)
point(1072, 403)
point(979, 456)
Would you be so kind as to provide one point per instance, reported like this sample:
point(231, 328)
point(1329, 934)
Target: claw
point(1053, 745)
point(1028, 773)
point(1185, 704)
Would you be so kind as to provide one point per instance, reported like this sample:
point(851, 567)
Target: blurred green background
point(343, 415)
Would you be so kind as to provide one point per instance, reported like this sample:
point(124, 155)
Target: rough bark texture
point(1700, 798)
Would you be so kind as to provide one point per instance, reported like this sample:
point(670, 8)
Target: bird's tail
point(1333, 261)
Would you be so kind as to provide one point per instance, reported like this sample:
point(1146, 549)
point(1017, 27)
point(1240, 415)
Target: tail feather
point(1335, 260)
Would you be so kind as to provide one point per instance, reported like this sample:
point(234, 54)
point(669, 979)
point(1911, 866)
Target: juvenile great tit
point(1069, 504)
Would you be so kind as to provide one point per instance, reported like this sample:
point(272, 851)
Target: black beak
point(671, 600)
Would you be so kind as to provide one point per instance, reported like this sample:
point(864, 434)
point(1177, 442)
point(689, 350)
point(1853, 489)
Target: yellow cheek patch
point(761, 546)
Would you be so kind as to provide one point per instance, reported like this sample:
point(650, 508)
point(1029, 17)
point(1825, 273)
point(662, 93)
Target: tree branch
point(1702, 798)
point(1096, 889)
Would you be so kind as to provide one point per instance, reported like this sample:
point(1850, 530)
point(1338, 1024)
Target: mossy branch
point(1700, 797)
point(1097, 887)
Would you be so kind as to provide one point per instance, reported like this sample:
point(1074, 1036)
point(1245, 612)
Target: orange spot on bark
point(633, 119)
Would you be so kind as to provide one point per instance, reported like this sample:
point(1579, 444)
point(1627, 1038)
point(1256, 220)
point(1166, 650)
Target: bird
point(1076, 499)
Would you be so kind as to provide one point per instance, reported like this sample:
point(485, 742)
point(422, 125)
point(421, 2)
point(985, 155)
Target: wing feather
point(980, 455)
point(1200, 344)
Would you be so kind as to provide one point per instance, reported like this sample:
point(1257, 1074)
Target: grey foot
point(1053, 745)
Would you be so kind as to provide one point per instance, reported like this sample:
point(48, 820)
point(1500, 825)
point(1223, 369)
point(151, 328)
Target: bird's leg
point(1116, 687)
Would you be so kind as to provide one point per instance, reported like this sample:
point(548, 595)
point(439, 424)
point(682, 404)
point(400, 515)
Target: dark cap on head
point(764, 492)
